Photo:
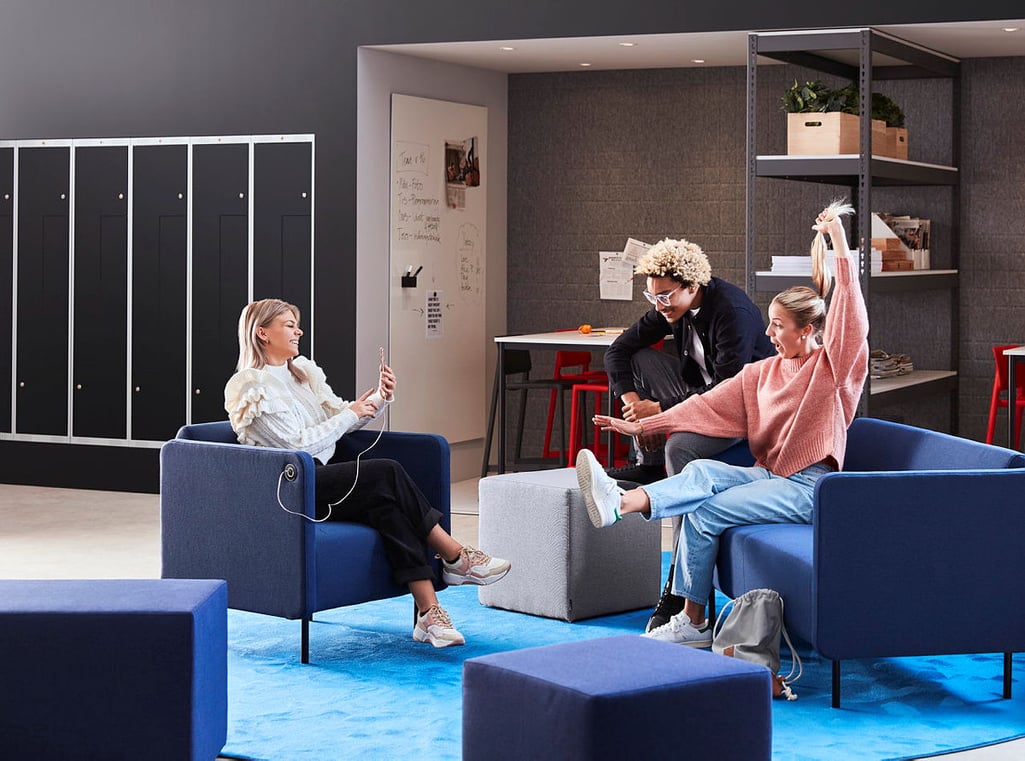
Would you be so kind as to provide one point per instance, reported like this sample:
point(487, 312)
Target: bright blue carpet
point(371, 692)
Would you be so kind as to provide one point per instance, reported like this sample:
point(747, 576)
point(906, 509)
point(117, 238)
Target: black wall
point(108, 68)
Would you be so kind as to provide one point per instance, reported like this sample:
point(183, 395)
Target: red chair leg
point(994, 403)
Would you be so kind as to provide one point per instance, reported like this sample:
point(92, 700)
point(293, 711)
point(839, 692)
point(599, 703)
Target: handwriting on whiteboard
point(416, 217)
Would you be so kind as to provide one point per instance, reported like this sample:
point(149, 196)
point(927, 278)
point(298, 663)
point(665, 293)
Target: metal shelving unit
point(861, 55)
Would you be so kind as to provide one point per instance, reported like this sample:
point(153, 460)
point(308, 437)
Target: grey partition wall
point(124, 264)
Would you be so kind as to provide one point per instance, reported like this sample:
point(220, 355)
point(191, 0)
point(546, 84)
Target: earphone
point(290, 473)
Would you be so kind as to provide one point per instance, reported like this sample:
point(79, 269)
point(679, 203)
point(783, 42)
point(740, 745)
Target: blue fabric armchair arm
point(897, 555)
point(220, 519)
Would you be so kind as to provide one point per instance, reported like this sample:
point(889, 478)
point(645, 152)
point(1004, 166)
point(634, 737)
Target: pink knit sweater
point(793, 412)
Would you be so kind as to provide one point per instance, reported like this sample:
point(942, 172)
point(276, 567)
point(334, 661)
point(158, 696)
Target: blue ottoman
point(615, 698)
point(113, 669)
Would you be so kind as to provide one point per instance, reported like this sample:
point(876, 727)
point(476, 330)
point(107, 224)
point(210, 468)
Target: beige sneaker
point(474, 566)
point(436, 627)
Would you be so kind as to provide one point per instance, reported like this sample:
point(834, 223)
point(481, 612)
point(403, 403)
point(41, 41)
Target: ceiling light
point(1011, 29)
point(585, 64)
point(627, 44)
point(697, 60)
point(506, 48)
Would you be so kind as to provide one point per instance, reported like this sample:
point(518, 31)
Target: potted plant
point(835, 131)
point(829, 131)
point(806, 98)
point(884, 109)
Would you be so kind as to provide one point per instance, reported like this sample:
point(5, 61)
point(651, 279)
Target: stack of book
point(894, 257)
point(801, 265)
point(884, 365)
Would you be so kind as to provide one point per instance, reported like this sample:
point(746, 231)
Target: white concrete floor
point(48, 533)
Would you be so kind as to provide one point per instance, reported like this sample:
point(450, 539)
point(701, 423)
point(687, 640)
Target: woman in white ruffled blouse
point(280, 399)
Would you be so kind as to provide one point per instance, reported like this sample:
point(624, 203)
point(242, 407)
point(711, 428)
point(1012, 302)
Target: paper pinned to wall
point(634, 250)
point(435, 318)
point(615, 276)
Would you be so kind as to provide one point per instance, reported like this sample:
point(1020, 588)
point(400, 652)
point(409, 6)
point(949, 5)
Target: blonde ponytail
point(820, 275)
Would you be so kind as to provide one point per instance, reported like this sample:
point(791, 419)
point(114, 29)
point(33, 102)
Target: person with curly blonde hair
point(793, 408)
point(716, 330)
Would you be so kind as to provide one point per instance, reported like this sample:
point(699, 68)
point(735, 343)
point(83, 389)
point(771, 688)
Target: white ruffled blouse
point(268, 407)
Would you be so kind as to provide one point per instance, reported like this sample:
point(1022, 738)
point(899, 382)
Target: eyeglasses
point(661, 298)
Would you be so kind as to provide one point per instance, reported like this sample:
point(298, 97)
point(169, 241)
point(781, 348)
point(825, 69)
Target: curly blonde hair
point(681, 260)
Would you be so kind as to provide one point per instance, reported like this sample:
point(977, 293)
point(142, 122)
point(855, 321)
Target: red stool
point(564, 360)
point(621, 447)
point(1000, 381)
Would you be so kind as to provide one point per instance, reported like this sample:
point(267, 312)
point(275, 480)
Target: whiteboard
point(437, 232)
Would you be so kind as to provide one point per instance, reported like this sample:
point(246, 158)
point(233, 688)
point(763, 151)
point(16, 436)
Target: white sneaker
point(680, 631)
point(436, 627)
point(474, 566)
point(601, 493)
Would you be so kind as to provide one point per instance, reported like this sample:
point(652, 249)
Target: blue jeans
point(713, 496)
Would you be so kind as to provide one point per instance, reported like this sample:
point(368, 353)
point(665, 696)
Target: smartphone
point(380, 351)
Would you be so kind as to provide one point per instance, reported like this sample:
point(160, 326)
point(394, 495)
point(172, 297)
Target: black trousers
point(386, 499)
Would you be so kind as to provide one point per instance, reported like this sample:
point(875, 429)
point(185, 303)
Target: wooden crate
point(899, 141)
point(830, 134)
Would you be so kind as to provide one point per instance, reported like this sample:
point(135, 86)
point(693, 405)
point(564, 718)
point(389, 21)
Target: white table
point(1014, 357)
point(565, 340)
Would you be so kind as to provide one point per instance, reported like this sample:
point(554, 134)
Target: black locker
point(159, 241)
point(220, 270)
point(282, 198)
point(6, 283)
point(42, 353)
point(99, 345)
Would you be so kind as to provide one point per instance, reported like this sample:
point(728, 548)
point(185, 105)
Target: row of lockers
point(124, 267)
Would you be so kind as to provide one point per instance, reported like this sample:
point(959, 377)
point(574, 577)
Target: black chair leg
point(305, 645)
point(836, 684)
point(518, 451)
point(1007, 675)
point(484, 466)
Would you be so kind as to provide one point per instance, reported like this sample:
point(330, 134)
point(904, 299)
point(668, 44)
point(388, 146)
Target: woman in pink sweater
point(794, 410)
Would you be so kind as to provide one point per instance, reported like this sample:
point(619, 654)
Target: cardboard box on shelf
point(888, 244)
point(893, 232)
point(898, 265)
point(900, 142)
point(830, 133)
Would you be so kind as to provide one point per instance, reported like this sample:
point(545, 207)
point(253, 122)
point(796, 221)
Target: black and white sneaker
point(668, 606)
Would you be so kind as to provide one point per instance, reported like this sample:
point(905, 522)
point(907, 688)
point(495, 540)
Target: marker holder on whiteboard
point(409, 279)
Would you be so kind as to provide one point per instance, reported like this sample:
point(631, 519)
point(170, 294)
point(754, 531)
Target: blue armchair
point(916, 522)
point(220, 518)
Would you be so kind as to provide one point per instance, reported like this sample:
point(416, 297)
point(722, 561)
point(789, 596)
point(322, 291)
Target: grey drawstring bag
point(750, 628)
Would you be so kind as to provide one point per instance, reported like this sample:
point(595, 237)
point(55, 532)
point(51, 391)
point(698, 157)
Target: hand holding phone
point(386, 384)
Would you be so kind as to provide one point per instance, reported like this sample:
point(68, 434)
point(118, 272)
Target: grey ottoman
point(562, 566)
